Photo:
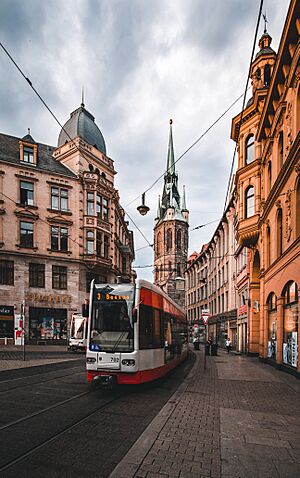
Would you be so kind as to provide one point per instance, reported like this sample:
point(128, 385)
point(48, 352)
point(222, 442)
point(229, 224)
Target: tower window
point(267, 75)
point(169, 239)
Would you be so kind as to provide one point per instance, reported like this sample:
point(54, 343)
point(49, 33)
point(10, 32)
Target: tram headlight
point(90, 359)
point(129, 362)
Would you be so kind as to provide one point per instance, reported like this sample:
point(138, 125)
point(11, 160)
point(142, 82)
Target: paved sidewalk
point(237, 419)
point(11, 356)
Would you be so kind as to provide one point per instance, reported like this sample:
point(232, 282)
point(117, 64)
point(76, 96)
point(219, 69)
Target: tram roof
point(148, 285)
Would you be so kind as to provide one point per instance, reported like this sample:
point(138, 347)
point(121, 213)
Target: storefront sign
point(243, 310)
point(52, 298)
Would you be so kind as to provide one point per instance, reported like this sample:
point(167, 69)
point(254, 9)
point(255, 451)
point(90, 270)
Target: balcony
point(247, 231)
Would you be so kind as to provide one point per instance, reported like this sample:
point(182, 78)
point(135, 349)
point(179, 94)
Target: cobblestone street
point(239, 418)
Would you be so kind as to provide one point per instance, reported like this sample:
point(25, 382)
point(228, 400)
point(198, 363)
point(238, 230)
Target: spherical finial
point(171, 121)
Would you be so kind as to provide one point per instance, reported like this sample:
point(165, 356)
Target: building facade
point(61, 225)
point(171, 233)
point(268, 196)
point(210, 279)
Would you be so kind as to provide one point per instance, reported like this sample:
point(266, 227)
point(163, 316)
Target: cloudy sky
point(141, 62)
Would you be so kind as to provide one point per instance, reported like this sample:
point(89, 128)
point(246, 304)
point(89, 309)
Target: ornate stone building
point(171, 233)
point(268, 196)
point(61, 225)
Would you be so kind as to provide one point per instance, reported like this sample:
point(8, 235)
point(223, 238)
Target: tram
point(78, 333)
point(136, 333)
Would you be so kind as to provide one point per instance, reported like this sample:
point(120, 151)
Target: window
point(169, 239)
point(280, 149)
point(102, 207)
point(59, 199)
point(36, 275)
point(98, 243)
point(106, 244)
point(28, 154)
point(279, 232)
point(59, 277)
point(249, 202)
point(178, 241)
point(150, 328)
point(99, 279)
point(250, 149)
point(178, 269)
point(6, 272)
point(272, 328)
point(268, 246)
point(59, 238)
point(267, 75)
point(124, 265)
point(290, 322)
point(90, 204)
point(26, 193)
point(90, 242)
point(158, 244)
point(26, 234)
point(269, 176)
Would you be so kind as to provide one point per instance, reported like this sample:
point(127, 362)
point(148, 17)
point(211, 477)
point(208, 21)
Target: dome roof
point(82, 123)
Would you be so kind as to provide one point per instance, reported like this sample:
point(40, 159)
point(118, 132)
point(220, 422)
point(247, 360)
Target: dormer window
point(28, 155)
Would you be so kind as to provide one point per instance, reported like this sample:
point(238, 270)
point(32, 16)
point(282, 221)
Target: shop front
point(290, 325)
point(6, 323)
point(47, 325)
point(272, 326)
point(242, 329)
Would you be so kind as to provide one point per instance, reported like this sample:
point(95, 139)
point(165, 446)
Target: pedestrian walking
point(228, 345)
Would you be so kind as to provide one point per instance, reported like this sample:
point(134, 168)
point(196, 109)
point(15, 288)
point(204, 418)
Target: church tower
point(171, 233)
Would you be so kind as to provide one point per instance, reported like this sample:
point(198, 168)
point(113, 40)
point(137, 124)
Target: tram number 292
point(114, 359)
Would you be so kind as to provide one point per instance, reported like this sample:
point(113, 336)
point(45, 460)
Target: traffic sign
point(205, 318)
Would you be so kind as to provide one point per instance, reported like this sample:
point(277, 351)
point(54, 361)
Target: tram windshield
point(112, 324)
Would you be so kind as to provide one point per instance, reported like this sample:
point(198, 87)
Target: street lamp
point(143, 209)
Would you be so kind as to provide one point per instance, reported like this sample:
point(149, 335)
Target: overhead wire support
point(244, 101)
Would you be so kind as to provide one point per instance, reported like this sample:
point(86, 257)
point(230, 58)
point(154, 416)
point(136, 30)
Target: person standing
point(228, 345)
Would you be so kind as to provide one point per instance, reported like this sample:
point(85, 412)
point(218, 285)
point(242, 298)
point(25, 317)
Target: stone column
point(280, 312)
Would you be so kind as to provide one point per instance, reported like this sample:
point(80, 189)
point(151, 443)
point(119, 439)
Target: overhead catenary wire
point(187, 150)
point(244, 101)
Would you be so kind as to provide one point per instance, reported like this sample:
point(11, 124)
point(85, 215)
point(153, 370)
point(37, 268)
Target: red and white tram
point(136, 333)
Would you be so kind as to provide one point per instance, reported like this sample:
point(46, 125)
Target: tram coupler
point(105, 381)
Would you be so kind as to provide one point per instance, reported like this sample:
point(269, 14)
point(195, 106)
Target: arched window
point(90, 242)
point(269, 176)
point(290, 324)
point(169, 239)
point(158, 244)
point(249, 150)
point(279, 232)
point(298, 209)
point(178, 239)
point(280, 149)
point(272, 329)
point(268, 246)
point(249, 202)
point(267, 75)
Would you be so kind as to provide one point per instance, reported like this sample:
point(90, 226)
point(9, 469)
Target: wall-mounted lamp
point(143, 209)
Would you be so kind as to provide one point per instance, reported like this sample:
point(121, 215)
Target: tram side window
point(150, 328)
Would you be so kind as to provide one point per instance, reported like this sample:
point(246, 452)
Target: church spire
point(158, 209)
point(170, 159)
point(183, 200)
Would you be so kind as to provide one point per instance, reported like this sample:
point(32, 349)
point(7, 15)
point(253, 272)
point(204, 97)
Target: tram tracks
point(28, 451)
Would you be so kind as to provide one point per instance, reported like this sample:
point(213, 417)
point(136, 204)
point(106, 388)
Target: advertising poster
point(294, 349)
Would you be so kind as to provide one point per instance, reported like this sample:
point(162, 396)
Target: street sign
point(205, 318)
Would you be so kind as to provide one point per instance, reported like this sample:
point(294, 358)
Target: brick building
point(268, 196)
point(61, 225)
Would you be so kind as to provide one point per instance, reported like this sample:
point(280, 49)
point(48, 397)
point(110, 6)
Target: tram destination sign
point(108, 297)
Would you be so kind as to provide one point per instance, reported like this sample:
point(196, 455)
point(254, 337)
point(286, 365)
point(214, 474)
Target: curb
point(131, 462)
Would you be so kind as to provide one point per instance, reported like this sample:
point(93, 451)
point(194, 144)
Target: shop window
point(26, 193)
point(279, 232)
point(59, 277)
point(36, 275)
point(169, 239)
point(249, 202)
point(6, 272)
point(59, 239)
point(90, 242)
point(90, 204)
point(47, 324)
point(249, 150)
point(7, 321)
point(26, 234)
point(105, 246)
point(28, 155)
point(298, 209)
point(290, 324)
point(59, 199)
